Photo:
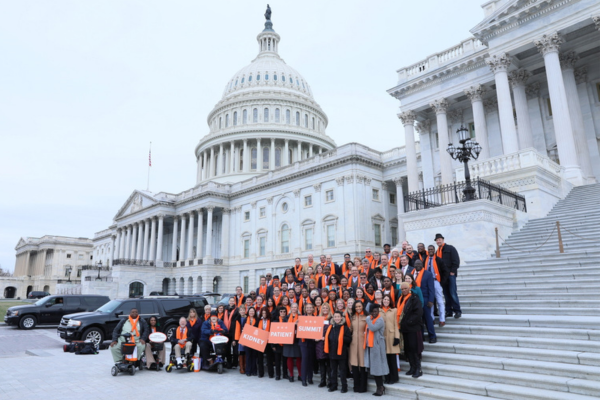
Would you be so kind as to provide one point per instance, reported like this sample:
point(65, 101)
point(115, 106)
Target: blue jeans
point(452, 303)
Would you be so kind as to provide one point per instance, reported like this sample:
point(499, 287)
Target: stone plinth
point(467, 226)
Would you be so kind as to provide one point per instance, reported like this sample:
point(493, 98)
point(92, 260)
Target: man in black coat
point(410, 324)
point(451, 260)
point(338, 352)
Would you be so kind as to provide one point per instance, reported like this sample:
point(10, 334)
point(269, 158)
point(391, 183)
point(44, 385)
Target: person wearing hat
point(210, 328)
point(451, 260)
point(374, 347)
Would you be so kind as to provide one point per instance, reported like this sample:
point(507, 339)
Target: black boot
point(364, 380)
point(418, 371)
point(379, 391)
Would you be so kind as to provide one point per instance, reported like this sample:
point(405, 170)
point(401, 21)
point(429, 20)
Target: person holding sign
point(265, 325)
point(292, 351)
point(251, 354)
point(337, 339)
point(307, 348)
point(280, 360)
point(357, 353)
point(322, 357)
point(374, 347)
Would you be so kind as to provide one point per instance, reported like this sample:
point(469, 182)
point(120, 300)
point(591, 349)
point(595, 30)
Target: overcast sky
point(86, 85)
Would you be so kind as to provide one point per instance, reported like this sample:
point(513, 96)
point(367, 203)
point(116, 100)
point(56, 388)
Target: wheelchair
point(217, 355)
point(157, 344)
point(188, 364)
point(126, 365)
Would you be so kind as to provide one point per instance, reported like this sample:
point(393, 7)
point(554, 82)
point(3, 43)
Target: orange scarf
point(134, 328)
point(154, 330)
point(262, 290)
point(251, 321)
point(220, 316)
point(392, 295)
point(192, 321)
point(206, 316)
point(371, 297)
point(297, 268)
point(369, 336)
point(419, 277)
point(385, 309)
point(276, 300)
point(439, 251)
point(215, 327)
point(268, 325)
point(340, 340)
point(239, 301)
point(293, 318)
point(435, 268)
point(181, 335)
point(401, 304)
point(348, 322)
point(228, 316)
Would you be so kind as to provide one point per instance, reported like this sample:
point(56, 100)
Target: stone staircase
point(531, 321)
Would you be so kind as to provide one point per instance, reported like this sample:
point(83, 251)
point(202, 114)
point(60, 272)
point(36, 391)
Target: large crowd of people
point(377, 309)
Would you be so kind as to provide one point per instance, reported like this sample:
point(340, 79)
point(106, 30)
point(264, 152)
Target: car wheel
point(95, 335)
point(28, 322)
point(170, 331)
point(114, 370)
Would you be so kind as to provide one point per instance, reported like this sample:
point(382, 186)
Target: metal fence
point(453, 193)
point(128, 261)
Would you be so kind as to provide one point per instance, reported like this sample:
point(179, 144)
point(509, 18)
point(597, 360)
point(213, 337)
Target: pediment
point(22, 242)
point(378, 217)
point(136, 202)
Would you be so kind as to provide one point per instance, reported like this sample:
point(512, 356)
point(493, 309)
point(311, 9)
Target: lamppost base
point(469, 193)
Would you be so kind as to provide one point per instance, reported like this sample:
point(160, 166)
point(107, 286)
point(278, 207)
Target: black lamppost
point(99, 265)
point(470, 149)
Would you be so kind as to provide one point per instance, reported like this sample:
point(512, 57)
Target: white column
point(144, 255)
point(400, 205)
point(221, 162)
point(199, 240)
point(205, 170)
point(259, 159)
point(245, 157)
point(114, 242)
point(440, 107)
point(310, 150)
point(518, 79)
point(548, 45)
point(140, 241)
point(567, 62)
point(211, 163)
point(182, 238)
point(190, 247)
point(286, 156)
point(159, 240)
point(272, 156)
point(122, 242)
point(499, 66)
point(175, 228)
point(475, 94)
point(209, 223)
point(299, 151)
point(225, 234)
point(151, 256)
point(232, 158)
point(117, 248)
point(132, 246)
point(424, 129)
point(408, 120)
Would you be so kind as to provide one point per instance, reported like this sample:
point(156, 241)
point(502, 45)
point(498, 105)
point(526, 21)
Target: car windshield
point(110, 306)
point(42, 301)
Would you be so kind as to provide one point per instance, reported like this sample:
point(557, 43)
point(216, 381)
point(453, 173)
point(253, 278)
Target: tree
point(5, 273)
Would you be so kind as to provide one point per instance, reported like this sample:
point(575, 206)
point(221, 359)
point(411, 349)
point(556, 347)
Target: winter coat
point(207, 332)
point(391, 330)
point(333, 340)
point(375, 357)
point(118, 331)
point(357, 353)
point(412, 315)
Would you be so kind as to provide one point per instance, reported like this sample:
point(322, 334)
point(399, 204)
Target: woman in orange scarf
point(337, 339)
point(251, 354)
point(392, 338)
point(322, 357)
point(374, 347)
point(194, 326)
point(265, 325)
point(357, 352)
point(292, 351)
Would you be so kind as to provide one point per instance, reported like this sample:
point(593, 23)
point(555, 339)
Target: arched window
point(266, 77)
point(265, 157)
point(220, 122)
point(253, 153)
point(313, 123)
point(258, 77)
point(226, 120)
point(241, 159)
point(287, 117)
point(234, 118)
point(285, 239)
point(250, 78)
point(291, 156)
point(136, 289)
point(255, 115)
point(235, 84)
point(297, 118)
point(266, 115)
point(245, 117)
point(275, 77)
point(277, 115)
point(277, 157)
point(306, 120)
point(243, 79)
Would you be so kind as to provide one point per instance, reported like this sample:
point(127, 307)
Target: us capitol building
point(272, 186)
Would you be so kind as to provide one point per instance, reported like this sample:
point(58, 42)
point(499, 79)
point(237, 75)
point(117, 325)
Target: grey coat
point(375, 357)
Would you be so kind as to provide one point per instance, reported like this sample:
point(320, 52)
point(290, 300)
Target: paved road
point(66, 376)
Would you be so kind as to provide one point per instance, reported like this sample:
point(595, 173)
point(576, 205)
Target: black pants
point(307, 348)
point(268, 354)
point(232, 355)
point(338, 366)
point(410, 349)
point(205, 349)
point(324, 370)
point(280, 363)
point(378, 381)
point(393, 367)
point(360, 379)
point(251, 360)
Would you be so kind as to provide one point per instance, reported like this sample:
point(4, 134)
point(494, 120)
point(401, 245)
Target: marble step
point(528, 269)
point(531, 310)
point(527, 379)
point(589, 323)
point(533, 283)
point(590, 253)
point(531, 342)
point(573, 249)
point(523, 353)
point(571, 221)
point(567, 275)
point(511, 364)
point(557, 305)
point(415, 392)
point(528, 296)
point(547, 289)
point(521, 332)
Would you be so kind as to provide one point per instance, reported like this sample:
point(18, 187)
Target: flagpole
point(149, 165)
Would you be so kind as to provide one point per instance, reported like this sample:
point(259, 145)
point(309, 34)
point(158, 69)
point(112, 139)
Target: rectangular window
point(263, 212)
point(308, 239)
point(246, 215)
point(329, 195)
point(68, 256)
point(394, 235)
point(263, 245)
point(393, 199)
point(377, 229)
point(307, 201)
point(245, 116)
point(287, 116)
point(330, 235)
point(598, 90)
point(247, 248)
point(436, 143)
point(79, 273)
point(277, 117)
point(472, 130)
point(376, 194)
point(80, 256)
point(246, 285)
point(549, 106)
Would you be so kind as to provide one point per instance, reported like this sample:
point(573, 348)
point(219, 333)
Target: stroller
point(130, 360)
point(219, 343)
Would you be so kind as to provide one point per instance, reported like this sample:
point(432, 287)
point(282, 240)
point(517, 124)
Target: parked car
point(50, 309)
point(99, 325)
point(224, 300)
point(37, 295)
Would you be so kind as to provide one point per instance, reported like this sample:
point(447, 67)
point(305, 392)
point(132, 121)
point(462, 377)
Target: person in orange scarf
point(210, 328)
point(337, 339)
point(322, 357)
point(436, 266)
point(229, 319)
point(135, 325)
point(194, 325)
point(392, 338)
point(411, 312)
point(181, 339)
point(292, 351)
point(374, 347)
point(357, 352)
point(265, 324)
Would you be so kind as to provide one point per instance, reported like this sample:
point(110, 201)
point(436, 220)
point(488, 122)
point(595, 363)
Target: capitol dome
point(266, 119)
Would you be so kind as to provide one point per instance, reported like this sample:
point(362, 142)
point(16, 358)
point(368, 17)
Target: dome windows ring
point(284, 207)
point(275, 77)
point(258, 77)
point(283, 78)
point(250, 78)
point(266, 77)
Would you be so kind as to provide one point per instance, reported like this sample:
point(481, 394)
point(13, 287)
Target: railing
point(453, 193)
point(127, 261)
point(218, 261)
point(102, 278)
point(94, 268)
point(68, 281)
point(168, 264)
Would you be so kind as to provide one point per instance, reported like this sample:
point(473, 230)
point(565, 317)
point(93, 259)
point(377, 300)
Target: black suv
point(51, 309)
point(37, 295)
point(99, 325)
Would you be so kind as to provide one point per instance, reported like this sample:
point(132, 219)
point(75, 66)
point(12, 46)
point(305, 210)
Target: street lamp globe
point(463, 134)
point(451, 149)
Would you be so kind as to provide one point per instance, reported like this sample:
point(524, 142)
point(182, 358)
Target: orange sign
point(254, 337)
point(282, 333)
point(310, 327)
